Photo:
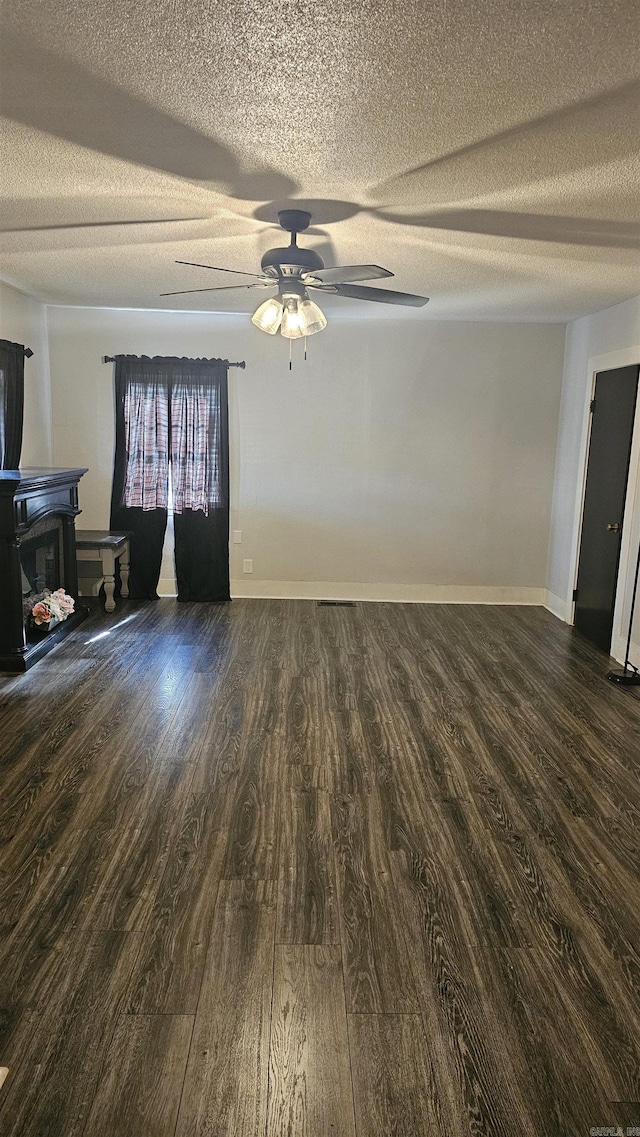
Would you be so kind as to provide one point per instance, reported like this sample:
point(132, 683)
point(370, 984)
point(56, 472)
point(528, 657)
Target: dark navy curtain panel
point(11, 402)
point(172, 421)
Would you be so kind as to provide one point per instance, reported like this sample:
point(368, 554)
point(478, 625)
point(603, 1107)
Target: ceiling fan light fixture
point(291, 326)
point(312, 319)
point(268, 317)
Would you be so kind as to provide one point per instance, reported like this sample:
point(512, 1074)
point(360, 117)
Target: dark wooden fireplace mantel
point(27, 498)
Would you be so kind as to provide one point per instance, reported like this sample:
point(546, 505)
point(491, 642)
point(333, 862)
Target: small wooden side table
point(107, 547)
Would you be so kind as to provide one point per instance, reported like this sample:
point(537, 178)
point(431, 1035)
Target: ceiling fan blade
point(347, 273)
point(221, 288)
point(238, 272)
point(383, 295)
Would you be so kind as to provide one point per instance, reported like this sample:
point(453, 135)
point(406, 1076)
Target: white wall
point(23, 320)
point(405, 460)
point(608, 339)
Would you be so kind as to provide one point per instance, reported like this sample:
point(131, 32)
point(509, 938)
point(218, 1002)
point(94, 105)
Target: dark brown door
point(613, 410)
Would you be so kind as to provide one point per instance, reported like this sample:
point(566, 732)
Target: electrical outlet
point(237, 536)
point(247, 566)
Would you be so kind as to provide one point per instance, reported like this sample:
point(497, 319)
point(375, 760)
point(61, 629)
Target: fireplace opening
point(42, 559)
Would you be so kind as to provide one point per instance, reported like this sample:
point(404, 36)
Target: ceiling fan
point(293, 271)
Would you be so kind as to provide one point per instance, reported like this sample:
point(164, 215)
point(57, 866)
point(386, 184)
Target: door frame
point(631, 525)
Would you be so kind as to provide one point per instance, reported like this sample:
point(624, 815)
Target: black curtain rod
point(10, 346)
point(111, 359)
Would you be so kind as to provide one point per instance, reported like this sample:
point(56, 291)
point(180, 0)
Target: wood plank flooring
point(269, 869)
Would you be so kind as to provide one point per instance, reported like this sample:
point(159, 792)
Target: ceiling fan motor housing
point(290, 261)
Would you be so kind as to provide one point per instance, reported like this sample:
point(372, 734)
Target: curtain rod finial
point(28, 352)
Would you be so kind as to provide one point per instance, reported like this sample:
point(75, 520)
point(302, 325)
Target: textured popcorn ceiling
point(486, 153)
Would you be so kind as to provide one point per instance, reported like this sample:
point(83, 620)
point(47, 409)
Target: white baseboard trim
point(560, 608)
point(389, 593)
point(619, 650)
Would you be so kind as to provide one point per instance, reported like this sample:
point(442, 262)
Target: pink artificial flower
point(41, 613)
point(65, 603)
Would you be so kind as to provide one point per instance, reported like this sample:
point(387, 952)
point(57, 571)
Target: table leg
point(109, 568)
point(124, 571)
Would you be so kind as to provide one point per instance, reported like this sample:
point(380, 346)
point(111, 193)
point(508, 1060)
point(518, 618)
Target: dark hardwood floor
point(269, 869)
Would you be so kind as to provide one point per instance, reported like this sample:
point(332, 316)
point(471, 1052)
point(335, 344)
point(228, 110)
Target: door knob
point(615, 528)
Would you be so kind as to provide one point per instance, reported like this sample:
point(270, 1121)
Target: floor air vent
point(336, 603)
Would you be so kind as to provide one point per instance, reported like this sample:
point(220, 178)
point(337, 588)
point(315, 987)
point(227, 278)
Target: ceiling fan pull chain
point(290, 344)
point(305, 349)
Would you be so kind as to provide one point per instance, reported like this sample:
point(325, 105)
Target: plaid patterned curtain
point(195, 448)
point(192, 407)
point(146, 424)
point(172, 413)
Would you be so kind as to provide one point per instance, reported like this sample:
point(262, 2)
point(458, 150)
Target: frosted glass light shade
point(268, 316)
point(291, 327)
point(293, 316)
point(312, 320)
